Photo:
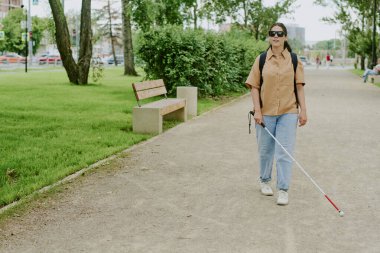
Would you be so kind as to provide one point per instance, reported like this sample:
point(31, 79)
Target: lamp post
point(26, 40)
point(374, 57)
point(29, 25)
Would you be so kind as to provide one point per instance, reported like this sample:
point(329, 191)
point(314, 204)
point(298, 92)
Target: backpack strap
point(295, 65)
point(263, 57)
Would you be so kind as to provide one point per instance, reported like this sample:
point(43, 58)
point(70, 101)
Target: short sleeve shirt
point(277, 90)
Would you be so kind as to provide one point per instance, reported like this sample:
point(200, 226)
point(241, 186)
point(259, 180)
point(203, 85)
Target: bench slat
point(173, 107)
point(167, 105)
point(150, 93)
point(146, 85)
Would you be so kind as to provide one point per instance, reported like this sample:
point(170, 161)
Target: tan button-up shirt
point(277, 91)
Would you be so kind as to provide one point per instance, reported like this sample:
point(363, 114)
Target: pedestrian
point(317, 61)
point(275, 104)
point(328, 59)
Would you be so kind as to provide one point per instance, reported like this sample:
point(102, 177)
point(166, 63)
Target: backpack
point(263, 57)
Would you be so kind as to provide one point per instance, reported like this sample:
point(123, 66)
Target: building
point(7, 5)
point(296, 32)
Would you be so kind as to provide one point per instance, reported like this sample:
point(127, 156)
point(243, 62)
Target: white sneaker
point(265, 188)
point(283, 198)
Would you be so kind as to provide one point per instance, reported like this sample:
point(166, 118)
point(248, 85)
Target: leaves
point(13, 31)
point(215, 63)
point(356, 19)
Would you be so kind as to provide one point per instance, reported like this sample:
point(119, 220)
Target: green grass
point(50, 128)
point(357, 72)
point(206, 104)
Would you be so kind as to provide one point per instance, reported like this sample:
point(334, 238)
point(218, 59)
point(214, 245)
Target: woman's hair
point(286, 44)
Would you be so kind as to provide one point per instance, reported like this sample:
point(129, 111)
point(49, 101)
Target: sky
point(309, 16)
point(306, 15)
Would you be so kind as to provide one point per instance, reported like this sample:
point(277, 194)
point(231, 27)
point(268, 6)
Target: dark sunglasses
point(279, 33)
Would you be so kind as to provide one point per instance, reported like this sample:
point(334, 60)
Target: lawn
point(50, 128)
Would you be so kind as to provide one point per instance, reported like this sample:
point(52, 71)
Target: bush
point(215, 63)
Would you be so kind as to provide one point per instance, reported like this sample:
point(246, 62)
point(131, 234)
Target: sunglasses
point(279, 33)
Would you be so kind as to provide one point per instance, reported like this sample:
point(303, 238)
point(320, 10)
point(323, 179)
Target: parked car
point(11, 58)
point(50, 59)
point(119, 59)
point(304, 60)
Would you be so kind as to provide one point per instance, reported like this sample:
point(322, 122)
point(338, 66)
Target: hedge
point(215, 63)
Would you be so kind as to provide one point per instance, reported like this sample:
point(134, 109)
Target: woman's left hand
point(302, 118)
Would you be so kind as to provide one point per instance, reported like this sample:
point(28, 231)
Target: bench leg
point(147, 120)
point(180, 115)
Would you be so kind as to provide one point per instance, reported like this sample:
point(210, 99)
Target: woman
point(279, 110)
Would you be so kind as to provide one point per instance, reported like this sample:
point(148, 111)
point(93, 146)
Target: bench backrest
point(149, 89)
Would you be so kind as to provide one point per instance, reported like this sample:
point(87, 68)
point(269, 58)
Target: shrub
point(215, 63)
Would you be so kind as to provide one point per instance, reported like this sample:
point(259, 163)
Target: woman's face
point(277, 37)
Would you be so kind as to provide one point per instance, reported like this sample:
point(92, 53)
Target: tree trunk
point(245, 8)
point(257, 31)
point(85, 51)
point(63, 41)
point(362, 62)
point(195, 15)
point(77, 73)
point(129, 65)
point(111, 34)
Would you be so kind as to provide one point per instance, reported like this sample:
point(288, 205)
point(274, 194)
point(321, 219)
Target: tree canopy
point(12, 29)
point(356, 17)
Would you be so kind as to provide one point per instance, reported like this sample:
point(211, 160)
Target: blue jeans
point(368, 72)
point(283, 127)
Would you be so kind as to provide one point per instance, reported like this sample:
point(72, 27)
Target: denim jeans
point(368, 72)
point(283, 127)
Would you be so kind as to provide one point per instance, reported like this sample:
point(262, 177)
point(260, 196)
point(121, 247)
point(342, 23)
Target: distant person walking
point(328, 59)
point(374, 71)
point(279, 105)
point(317, 61)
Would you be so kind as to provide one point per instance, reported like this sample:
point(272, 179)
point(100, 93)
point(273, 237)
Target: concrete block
point(180, 115)
point(147, 120)
point(374, 78)
point(191, 96)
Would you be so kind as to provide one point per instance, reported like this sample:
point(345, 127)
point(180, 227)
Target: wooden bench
point(373, 78)
point(148, 118)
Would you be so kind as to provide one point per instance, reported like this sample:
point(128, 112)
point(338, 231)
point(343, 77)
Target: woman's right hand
point(258, 117)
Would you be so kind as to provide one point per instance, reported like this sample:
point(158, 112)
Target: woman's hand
point(302, 118)
point(258, 117)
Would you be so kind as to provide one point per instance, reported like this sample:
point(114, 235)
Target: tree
point(260, 17)
point(144, 13)
point(12, 28)
point(193, 10)
point(151, 13)
point(328, 45)
point(76, 72)
point(129, 65)
point(356, 19)
point(296, 45)
point(255, 16)
point(169, 12)
point(110, 27)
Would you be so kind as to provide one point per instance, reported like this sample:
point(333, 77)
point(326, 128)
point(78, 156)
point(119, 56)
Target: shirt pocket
point(287, 75)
